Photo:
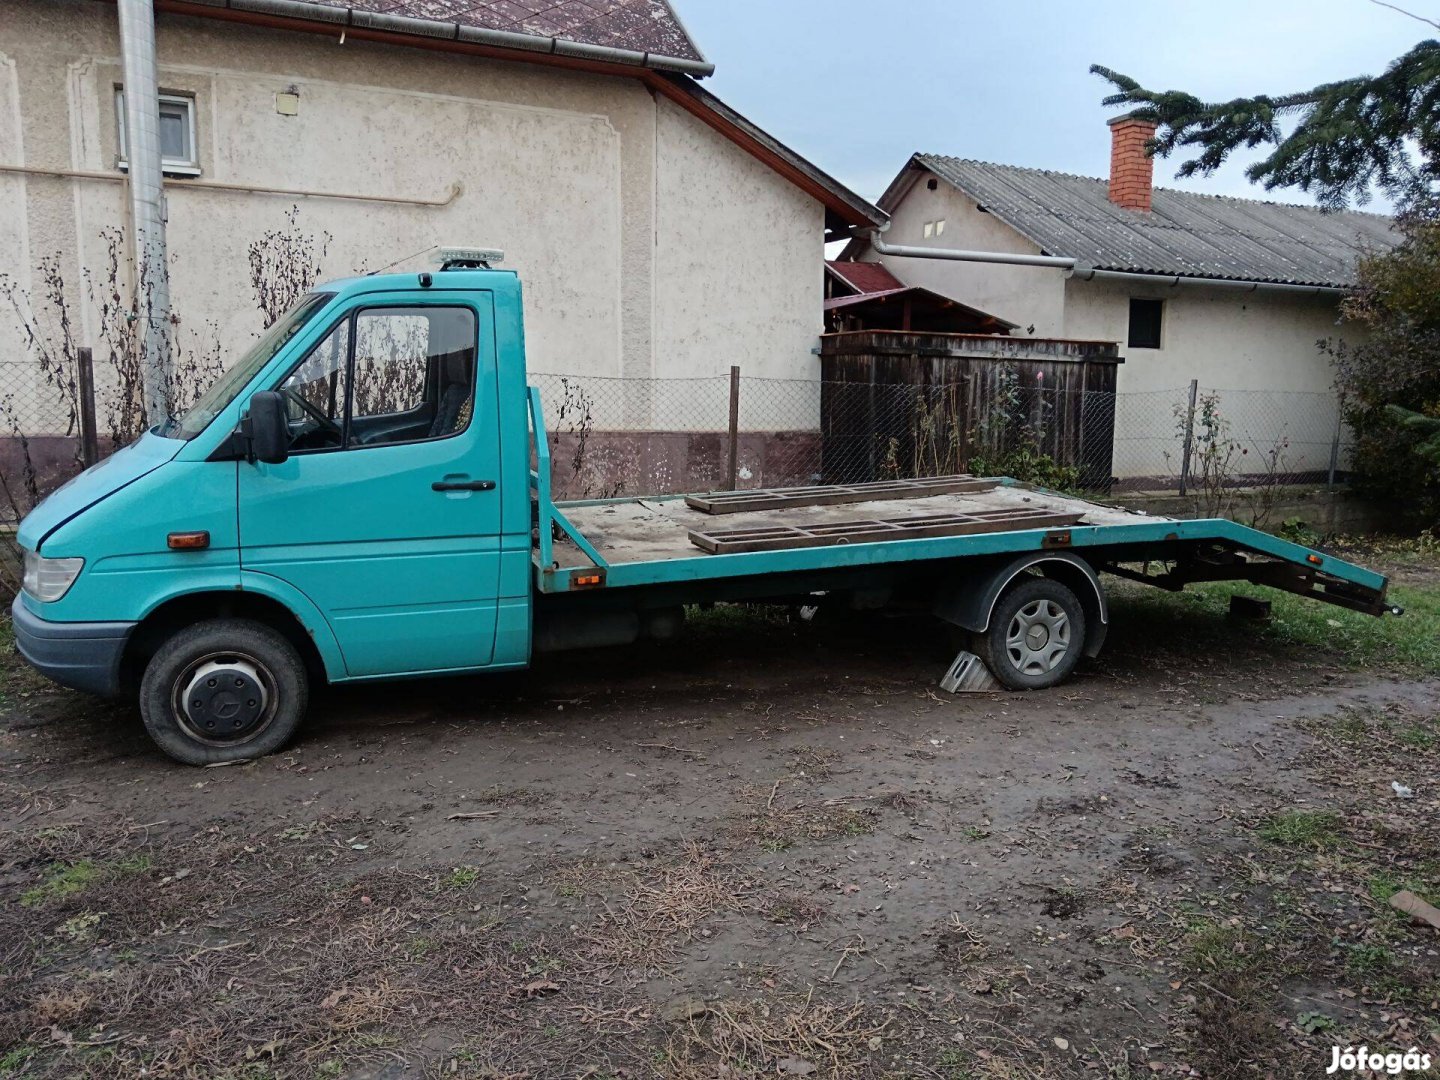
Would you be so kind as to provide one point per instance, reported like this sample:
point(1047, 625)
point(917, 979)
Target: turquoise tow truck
point(355, 500)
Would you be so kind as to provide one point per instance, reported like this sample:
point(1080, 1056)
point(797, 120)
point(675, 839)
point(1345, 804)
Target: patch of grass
point(461, 877)
point(953, 1064)
point(1365, 960)
point(63, 880)
point(81, 928)
point(729, 620)
point(1216, 947)
point(418, 948)
point(1417, 736)
point(14, 1059)
point(1344, 639)
point(1302, 828)
point(1384, 884)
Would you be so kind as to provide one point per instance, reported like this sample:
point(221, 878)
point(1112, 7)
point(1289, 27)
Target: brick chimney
point(1132, 171)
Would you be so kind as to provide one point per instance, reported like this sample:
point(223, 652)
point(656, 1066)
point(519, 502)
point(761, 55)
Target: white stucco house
point(575, 136)
point(1234, 293)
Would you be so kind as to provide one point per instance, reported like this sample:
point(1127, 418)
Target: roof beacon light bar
point(468, 258)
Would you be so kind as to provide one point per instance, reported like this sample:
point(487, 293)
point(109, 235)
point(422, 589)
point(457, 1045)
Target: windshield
point(211, 403)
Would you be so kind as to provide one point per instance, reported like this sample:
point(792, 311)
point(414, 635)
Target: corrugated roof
point(865, 277)
point(648, 29)
point(1184, 233)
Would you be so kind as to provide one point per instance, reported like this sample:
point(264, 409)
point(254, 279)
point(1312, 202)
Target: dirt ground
point(774, 848)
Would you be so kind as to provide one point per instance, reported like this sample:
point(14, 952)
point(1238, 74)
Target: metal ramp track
point(735, 502)
point(785, 537)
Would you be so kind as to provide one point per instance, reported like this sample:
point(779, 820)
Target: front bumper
point(83, 656)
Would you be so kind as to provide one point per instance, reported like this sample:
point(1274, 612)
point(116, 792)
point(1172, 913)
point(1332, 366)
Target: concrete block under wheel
point(968, 674)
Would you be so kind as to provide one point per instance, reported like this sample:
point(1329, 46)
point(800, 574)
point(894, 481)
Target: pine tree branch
point(1338, 141)
point(1410, 14)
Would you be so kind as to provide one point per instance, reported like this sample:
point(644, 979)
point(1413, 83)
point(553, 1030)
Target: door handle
point(463, 485)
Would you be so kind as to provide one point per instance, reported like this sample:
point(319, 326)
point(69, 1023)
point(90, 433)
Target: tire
point(1023, 661)
point(247, 691)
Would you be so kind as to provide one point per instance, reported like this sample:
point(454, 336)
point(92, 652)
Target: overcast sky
point(857, 86)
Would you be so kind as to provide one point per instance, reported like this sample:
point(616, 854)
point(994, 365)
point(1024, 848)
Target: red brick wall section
point(1132, 171)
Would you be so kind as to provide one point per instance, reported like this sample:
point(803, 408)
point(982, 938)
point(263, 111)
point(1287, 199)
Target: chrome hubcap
point(224, 699)
point(1038, 638)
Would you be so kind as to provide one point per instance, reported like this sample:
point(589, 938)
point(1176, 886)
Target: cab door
point(386, 514)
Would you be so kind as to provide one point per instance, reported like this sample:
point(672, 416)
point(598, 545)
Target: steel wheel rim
point(1038, 638)
point(241, 664)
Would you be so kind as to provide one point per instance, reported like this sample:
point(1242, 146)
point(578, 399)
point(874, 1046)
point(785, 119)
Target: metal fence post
point(734, 465)
point(1189, 436)
point(85, 380)
point(1335, 442)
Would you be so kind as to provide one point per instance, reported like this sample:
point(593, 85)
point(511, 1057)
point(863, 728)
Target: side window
point(315, 393)
point(414, 374)
point(384, 376)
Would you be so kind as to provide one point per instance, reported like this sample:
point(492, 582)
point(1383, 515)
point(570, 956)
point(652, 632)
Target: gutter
point(1073, 269)
point(1175, 280)
point(362, 19)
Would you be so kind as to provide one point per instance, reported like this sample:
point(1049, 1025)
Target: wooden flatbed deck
point(655, 530)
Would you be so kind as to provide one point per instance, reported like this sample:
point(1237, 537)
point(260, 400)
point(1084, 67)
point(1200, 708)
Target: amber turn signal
point(188, 541)
point(587, 581)
point(1315, 559)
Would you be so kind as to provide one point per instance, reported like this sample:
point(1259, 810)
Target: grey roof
point(1183, 233)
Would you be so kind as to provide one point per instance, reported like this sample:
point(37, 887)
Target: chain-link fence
point(612, 437)
point(665, 436)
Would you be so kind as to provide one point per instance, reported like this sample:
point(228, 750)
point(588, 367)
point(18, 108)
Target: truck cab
point(348, 502)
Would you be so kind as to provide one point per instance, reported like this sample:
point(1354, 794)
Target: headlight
point(50, 579)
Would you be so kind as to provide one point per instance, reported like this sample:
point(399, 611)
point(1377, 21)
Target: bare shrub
point(284, 265)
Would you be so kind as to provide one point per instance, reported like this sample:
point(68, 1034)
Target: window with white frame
point(178, 153)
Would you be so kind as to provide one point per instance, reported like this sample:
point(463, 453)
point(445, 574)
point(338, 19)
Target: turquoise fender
point(306, 612)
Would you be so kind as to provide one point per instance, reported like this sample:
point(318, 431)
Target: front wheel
point(223, 690)
point(1036, 635)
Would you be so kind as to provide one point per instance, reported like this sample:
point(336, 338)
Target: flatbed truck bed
point(641, 542)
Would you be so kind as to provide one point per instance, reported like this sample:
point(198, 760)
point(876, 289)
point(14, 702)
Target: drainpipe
point(147, 202)
point(1009, 258)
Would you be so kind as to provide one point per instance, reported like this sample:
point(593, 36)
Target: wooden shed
point(919, 404)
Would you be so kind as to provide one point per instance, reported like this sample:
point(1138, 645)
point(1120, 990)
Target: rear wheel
point(223, 690)
point(1036, 635)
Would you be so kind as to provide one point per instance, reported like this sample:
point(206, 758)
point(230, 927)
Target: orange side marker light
point(188, 541)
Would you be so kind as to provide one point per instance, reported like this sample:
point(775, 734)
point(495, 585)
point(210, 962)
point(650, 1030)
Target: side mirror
point(266, 428)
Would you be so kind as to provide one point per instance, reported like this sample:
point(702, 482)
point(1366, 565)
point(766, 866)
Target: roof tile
point(865, 277)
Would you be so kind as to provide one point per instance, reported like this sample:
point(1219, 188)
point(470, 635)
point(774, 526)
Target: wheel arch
point(186, 609)
point(968, 597)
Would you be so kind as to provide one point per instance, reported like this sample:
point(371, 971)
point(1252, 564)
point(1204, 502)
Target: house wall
point(1255, 352)
point(1030, 297)
point(1258, 350)
point(1226, 338)
point(633, 225)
